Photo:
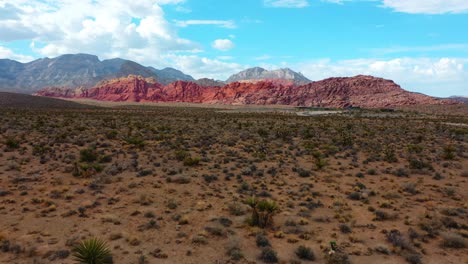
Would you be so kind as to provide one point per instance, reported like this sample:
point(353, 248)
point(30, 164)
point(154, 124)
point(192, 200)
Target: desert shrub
point(92, 251)
point(306, 253)
point(236, 209)
point(144, 173)
point(382, 215)
point(12, 143)
point(453, 240)
point(419, 164)
point(180, 155)
point(112, 134)
point(410, 188)
point(413, 258)
point(216, 231)
point(210, 178)
point(390, 154)
point(234, 251)
point(105, 159)
point(431, 226)
point(268, 255)
point(189, 161)
point(401, 172)
point(355, 196)
point(448, 152)
point(345, 229)
point(338, 258)
point(397, 239)
point(262, 240)
point(88, 155)
point(136, 141)
point(303, 173)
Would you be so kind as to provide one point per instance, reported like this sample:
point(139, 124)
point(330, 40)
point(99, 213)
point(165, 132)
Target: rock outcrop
point(260, 74)
point(359, 91)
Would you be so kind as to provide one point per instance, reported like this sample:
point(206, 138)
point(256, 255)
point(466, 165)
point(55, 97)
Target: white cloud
point(223, 44)
point(171, 2)
point(402, 49)
point(201, 67)
point(220, 23)
point(417, 6)
point(439, 77)
point(427, 6)
point(286, 3)
point(6, 53)
point(103, 27)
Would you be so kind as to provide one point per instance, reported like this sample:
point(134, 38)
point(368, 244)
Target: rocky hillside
point(358, 91)
point(260, 74)
point(79, 70)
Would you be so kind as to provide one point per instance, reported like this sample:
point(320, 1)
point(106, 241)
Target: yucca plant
point(266, 208)
point(262, 211)
point(92, 251)
point(252, 202)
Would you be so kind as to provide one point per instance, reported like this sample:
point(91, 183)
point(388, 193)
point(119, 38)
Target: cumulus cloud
point(286, 3)
point(103, 27)
point(201, 67)
point(6, 53)
point(223, 44)
point(441, 76)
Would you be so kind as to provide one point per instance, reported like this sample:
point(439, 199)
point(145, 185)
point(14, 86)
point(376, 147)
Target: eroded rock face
point(358, 91)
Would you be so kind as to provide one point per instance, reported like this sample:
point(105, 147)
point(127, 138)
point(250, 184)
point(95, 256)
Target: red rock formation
point(359, 91)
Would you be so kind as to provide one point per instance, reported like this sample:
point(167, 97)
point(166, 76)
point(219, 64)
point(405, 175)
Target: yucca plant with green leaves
point(92, 251)
point(266, 208)
point(252, 202)
point(262, 212)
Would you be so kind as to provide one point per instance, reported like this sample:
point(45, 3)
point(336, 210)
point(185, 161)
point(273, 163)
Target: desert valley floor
point(162, 184)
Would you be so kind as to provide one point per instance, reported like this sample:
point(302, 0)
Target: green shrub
point(189, 161)
point(306, 253)
point(136, 141)
point(92, 251)
point(88, 155)
point(180, 155)
point(12, 143)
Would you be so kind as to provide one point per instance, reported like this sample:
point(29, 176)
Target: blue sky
point(420, 44)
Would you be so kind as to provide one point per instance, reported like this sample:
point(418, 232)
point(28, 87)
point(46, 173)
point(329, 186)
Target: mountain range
point(75, 70)
point(85, 76)
point(358, 91)
point(86, 71)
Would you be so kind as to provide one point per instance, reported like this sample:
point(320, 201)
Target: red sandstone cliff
point(358, 91)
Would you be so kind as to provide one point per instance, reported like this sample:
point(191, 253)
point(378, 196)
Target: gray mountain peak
point(258, 73)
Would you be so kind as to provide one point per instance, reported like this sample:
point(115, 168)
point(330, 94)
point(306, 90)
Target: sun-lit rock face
point(358, 91)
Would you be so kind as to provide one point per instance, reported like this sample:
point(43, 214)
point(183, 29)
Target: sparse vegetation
point(390, 185)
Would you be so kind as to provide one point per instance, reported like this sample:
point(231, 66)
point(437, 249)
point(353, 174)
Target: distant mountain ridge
point(76, 70)
point(260, 74)
point(358, 91)
point(462, 99)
